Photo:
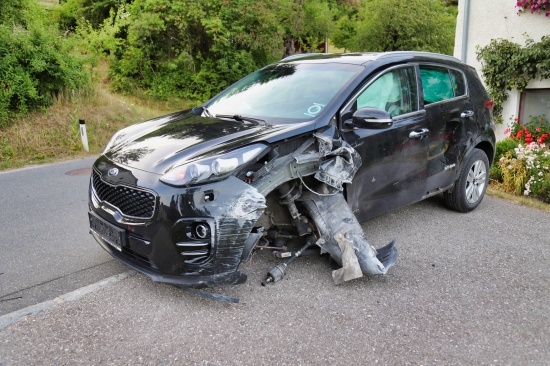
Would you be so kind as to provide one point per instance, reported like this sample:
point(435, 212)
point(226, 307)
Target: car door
point(449, 113)
point(394, 159)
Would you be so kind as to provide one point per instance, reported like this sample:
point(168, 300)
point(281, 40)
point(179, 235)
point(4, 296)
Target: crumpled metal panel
point(338, 225)
point(342, 164)
point(342, 235)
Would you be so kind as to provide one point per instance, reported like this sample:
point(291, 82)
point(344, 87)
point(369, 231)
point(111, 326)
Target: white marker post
point(83, 134)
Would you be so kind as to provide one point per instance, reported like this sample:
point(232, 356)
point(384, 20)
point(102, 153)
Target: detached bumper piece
point(344, 239)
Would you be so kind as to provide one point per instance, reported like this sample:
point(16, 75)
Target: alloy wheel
point(475, 183)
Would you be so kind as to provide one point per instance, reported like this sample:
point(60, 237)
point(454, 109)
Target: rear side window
point(436, 83)
point(457, 81)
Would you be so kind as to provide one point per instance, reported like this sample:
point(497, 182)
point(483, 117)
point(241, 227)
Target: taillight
point(489, 104)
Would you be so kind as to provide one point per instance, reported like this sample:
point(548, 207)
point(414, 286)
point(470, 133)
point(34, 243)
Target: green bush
point(538, 164)
point(188, 49)
point(35, 63)
point(501, 148)
point(391, 25)
point(525, 170)
point(507, 65)
point(71, 12)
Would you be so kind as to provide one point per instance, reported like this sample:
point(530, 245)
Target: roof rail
point(301, 55)
point(418, 53)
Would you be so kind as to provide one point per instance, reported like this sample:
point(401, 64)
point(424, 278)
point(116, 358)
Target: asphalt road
point(468, 289)
point(44, 242)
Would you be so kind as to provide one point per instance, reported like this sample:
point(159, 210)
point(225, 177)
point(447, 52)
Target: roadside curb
point(15, 316)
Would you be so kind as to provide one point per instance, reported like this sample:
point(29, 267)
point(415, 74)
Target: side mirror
point(372, 118)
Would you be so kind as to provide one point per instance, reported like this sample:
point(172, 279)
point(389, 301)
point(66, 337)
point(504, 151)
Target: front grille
point(129, 200)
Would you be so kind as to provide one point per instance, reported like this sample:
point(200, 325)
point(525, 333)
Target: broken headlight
point(213, 168)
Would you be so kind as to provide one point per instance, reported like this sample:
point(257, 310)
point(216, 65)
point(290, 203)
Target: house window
point(534, 102)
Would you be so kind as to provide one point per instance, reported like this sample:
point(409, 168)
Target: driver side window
point(394, 92)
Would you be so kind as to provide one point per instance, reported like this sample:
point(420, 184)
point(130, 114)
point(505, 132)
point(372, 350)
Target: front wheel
point(469, 188)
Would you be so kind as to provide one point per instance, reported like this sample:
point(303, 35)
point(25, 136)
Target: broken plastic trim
point(344, 238)
point(334, 163)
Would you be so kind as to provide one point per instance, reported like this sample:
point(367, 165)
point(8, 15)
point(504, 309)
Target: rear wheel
point(471, 184)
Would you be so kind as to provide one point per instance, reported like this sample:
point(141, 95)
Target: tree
point(391, 25)
point(94, 11)
point(190, 49)
point(306, 23)
point(195, 48)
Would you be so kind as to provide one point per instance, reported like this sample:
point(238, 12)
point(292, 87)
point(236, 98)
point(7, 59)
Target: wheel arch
point(488, 149)
point(484, 143)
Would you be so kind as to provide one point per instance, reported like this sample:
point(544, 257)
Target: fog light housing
point(193, 239)
point(201, 231)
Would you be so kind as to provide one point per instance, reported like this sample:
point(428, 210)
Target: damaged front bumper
point(198, 236)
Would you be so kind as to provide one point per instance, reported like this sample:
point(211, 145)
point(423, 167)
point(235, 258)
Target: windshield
point(285, 93)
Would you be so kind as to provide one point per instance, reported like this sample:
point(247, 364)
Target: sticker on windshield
point(314, 109)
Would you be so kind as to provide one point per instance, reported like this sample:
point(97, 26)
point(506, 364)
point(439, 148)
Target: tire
point(469, 189)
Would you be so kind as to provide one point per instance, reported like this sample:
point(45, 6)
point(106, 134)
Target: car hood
point(160, 144)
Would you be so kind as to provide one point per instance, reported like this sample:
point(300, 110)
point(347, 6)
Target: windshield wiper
point(238, 117)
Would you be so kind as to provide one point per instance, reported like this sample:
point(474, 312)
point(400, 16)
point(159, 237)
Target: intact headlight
point(212, 168)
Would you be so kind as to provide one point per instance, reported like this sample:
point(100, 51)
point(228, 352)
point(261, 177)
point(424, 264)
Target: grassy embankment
point(53, 134)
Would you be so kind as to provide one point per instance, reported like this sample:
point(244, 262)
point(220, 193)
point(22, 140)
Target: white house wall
point(490, 19)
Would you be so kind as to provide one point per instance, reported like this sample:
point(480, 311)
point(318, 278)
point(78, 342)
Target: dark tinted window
point(457, 80)
point(436, 84)
point(395, 92)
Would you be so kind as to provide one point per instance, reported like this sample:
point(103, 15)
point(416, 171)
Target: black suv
point(297, 152)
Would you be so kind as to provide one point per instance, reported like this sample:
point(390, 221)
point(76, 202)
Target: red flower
point(516, 119)
point(507, 131)
point(537, 129)
point(519, 134)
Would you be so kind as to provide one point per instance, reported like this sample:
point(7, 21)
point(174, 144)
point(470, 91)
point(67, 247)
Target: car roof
point(363, 58)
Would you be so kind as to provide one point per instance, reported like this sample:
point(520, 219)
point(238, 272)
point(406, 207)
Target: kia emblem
point(112, 172)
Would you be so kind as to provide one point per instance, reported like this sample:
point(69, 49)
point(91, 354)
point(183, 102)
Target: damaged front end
point(197, 236)
point(309, 182)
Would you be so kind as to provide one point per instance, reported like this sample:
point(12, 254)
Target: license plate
point(112, 234)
